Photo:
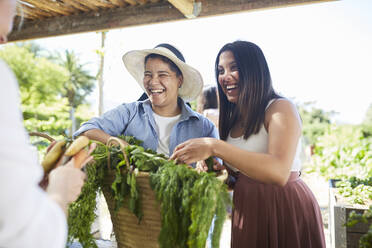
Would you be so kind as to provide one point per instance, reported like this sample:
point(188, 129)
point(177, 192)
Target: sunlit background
point(319, 52)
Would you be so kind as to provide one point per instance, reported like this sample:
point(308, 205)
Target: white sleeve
point(28, 217)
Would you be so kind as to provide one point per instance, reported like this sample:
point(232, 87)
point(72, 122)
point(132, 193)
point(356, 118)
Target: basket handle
point(122, 145)
point(43, 135)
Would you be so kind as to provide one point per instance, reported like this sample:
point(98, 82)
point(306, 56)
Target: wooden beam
point(54, 7)
point(96, 21)
point(76, 5)
point(131, 2)
point(34, 12)
point(220, 7)
point(188, 8)
point(149, 13)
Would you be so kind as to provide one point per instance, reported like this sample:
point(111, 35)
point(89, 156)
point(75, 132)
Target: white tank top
point(259, 143)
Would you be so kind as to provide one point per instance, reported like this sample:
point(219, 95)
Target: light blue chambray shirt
point(136, 119)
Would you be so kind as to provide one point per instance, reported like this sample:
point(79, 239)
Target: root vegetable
point(79, 158)
point(77, 145)
point(53, 155)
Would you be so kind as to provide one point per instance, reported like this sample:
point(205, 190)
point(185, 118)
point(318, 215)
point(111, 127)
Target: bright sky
point(318, 52)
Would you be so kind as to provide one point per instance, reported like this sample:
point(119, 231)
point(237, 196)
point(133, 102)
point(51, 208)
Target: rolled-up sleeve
point(112, 122)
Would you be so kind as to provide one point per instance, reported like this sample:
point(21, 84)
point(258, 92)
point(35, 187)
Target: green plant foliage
point(39, 79)
point(345, 152)
point(209, 163)
point(366, 240)
point(366, 129)
point(79, 83)
point(45, 105)
point(188, 200)
point(315, 121)
point(81, 213)
point(355, 190)
point(368, 118)
point(342, 152)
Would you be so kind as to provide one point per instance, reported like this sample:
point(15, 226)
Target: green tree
point(35, 49)
point(368, 117)
point(39, 79)
point(315, 121)
point(78, 85)
point(41, 83)
point(367, 123)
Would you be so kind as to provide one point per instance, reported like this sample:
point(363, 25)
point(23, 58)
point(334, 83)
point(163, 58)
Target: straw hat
point(192, 79)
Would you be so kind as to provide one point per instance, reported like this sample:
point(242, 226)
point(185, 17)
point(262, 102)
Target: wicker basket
point(129, 232)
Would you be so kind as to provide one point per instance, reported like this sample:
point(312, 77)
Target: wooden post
point(100, 73)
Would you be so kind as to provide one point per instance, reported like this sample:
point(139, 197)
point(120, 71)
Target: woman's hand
point(193, 150)
point(202, 166)
point(65, 182)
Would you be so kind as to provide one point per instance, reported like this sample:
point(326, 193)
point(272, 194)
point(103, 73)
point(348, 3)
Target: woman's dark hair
point(255, 89)
point(210, 98)
point(171, 64)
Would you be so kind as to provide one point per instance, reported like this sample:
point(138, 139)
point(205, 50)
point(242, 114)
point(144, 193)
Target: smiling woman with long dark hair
point(260, 146)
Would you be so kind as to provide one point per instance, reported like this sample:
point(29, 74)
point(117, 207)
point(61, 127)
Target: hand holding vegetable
point(65, 182)
point(194, 150)
point(60, 152)
point(204, 166)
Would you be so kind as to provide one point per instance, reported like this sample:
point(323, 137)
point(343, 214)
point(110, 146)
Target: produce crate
point(342, 236)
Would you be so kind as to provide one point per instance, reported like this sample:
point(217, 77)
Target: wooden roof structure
point(45, 18)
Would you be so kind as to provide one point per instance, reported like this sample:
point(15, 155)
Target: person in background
point(207, 104)
point(260, 143)
point(29, 216)
point(163, 120)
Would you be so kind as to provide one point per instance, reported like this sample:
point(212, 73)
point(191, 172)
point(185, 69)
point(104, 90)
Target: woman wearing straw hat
point(163, 120)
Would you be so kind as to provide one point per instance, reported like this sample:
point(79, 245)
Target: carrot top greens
point(188, 200)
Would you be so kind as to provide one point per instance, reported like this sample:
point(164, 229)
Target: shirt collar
point(186, 111)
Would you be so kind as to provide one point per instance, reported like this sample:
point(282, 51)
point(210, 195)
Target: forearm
point(62, 203)
point(263, 167)
point(97, 134)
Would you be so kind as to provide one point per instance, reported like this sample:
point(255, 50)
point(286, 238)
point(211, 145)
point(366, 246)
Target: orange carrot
point(79, 158)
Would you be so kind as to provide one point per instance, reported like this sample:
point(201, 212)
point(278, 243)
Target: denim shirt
point(136, 119)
